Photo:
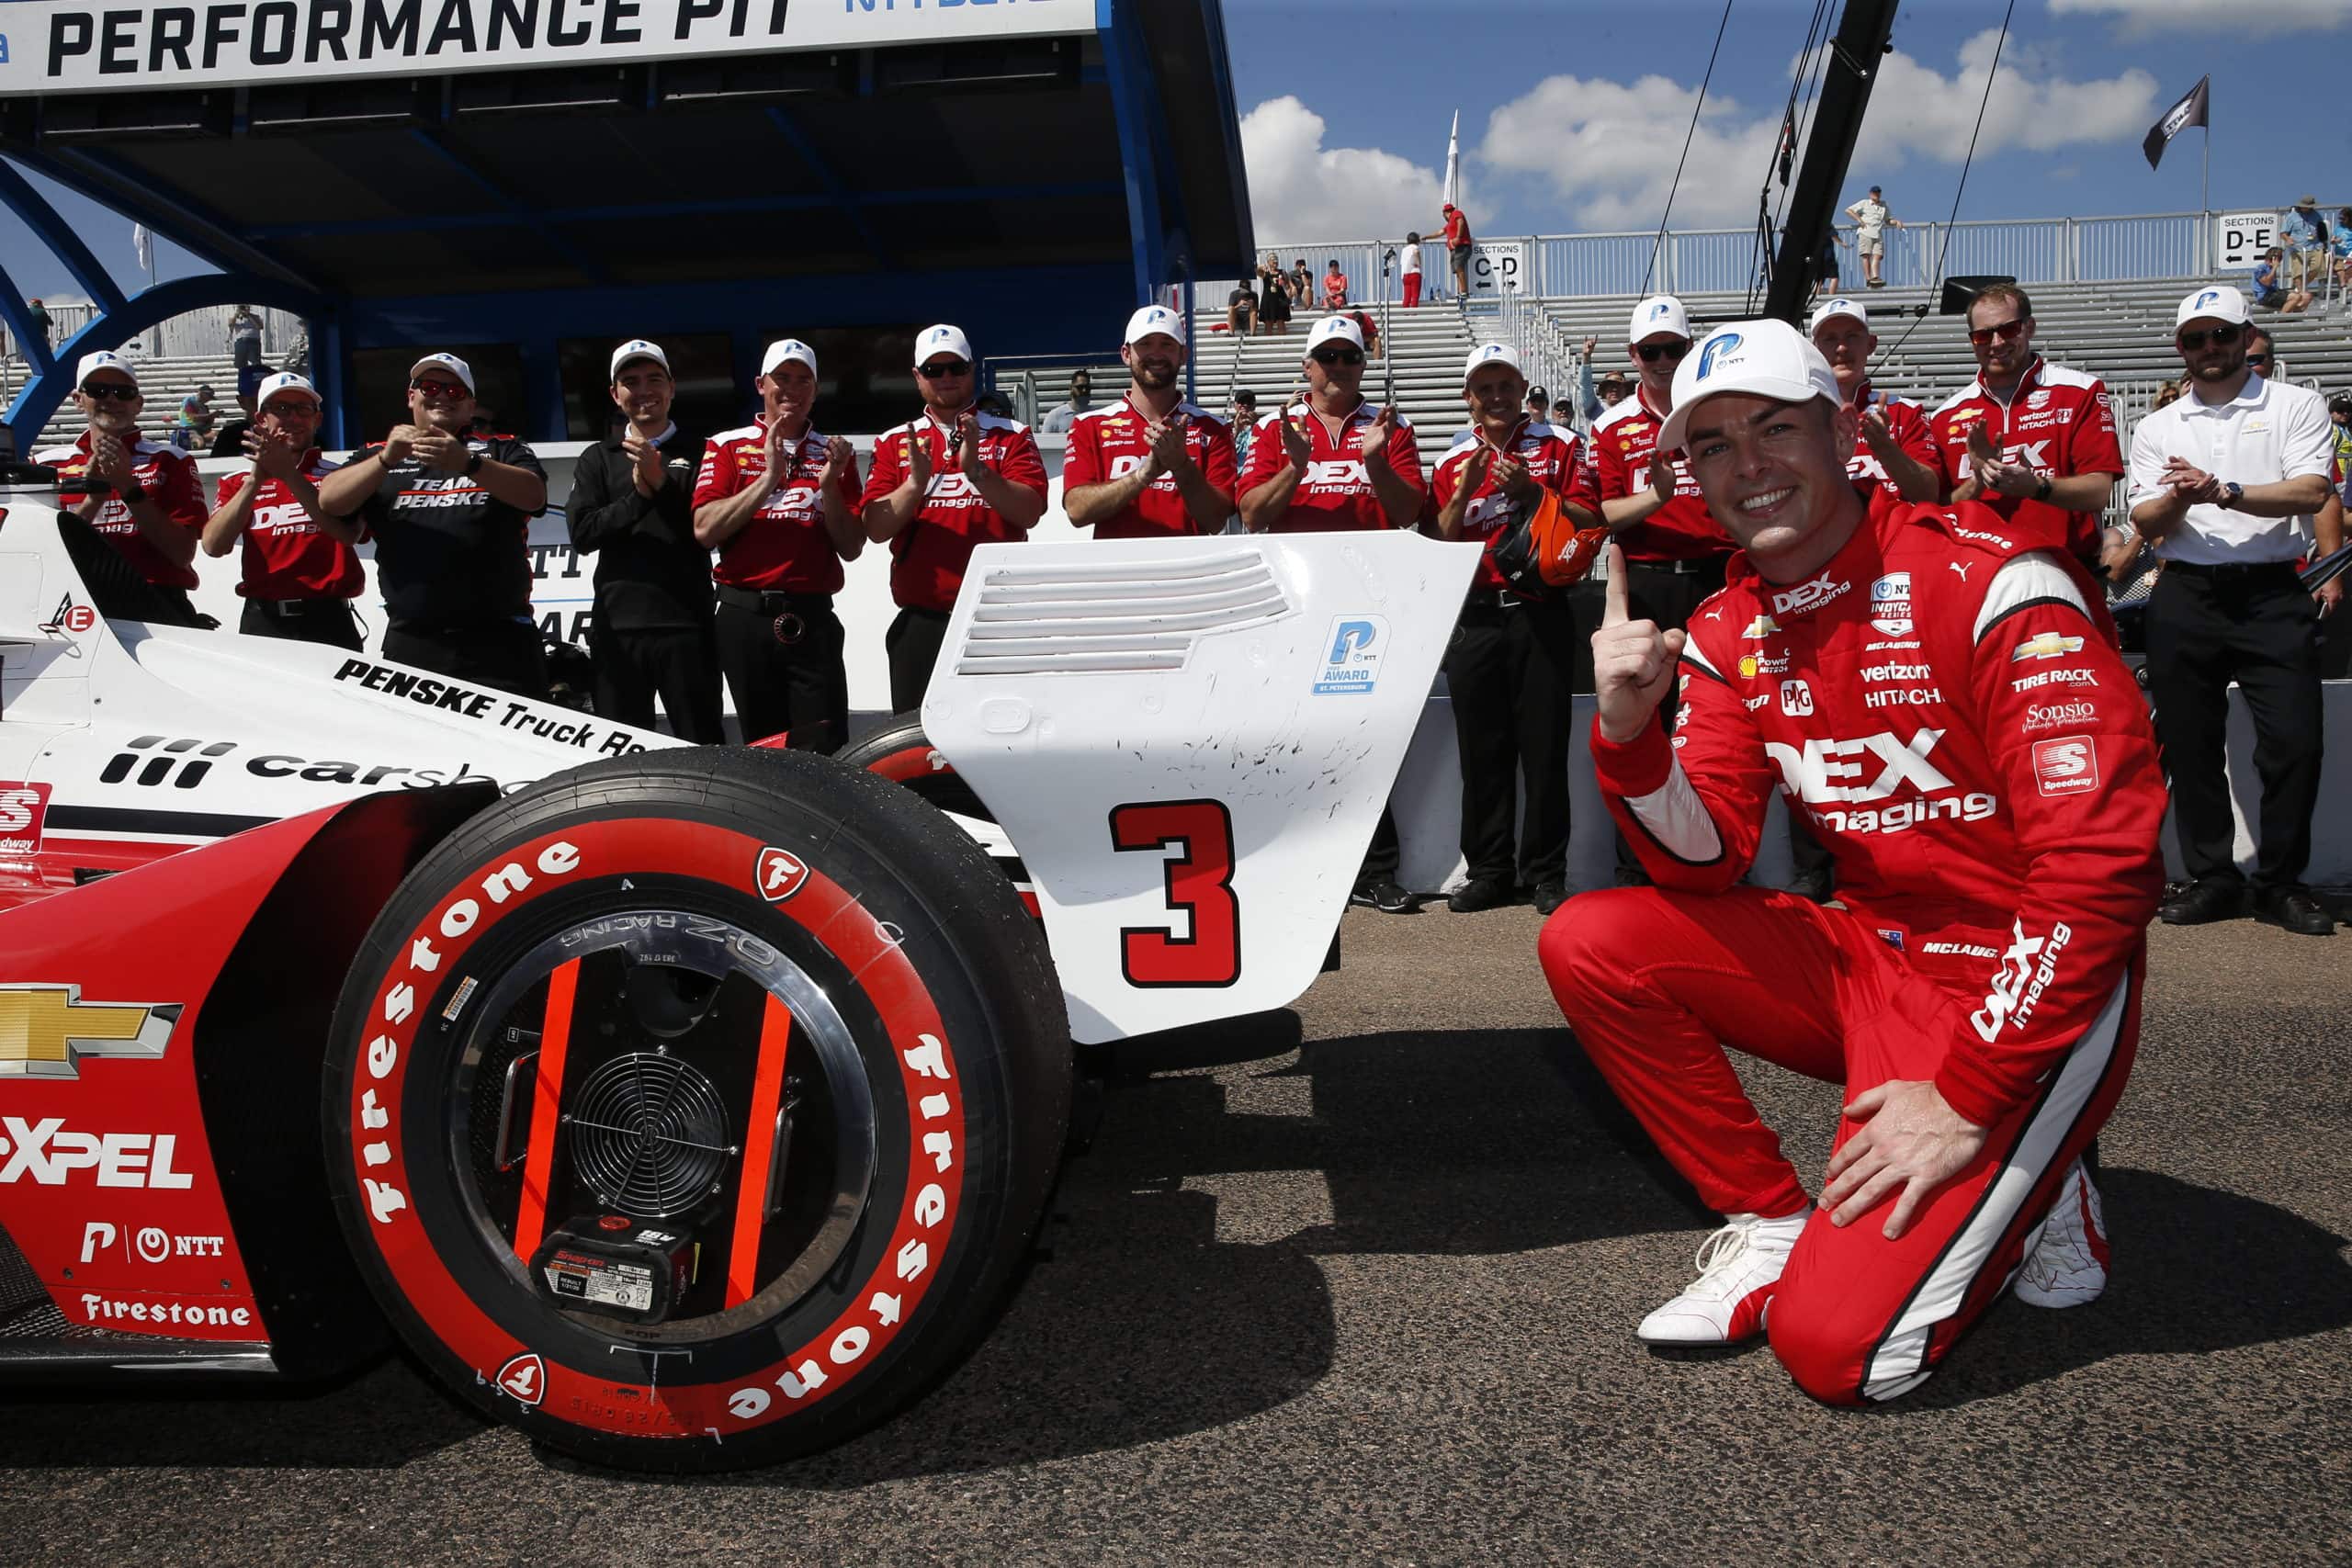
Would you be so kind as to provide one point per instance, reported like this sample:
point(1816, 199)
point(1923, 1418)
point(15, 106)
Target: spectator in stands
point(193, 427)
point(1895, 452)
point(1241, 311)
point(1271, 274)
point(2226, 484)
point(2340, 248)
point(1302, 286)
point(994, 403)
point(1374, 348)
point(2034, 441)
point(1081, 398)
point(1409, 263)
point(2167, 394)
point(632, 506)
point(1150, 465)
point(1871, 220)
point(2303, 233)
point(2261, 357)
point(781, 504)
point(1612, 388)
point(1824, 266)
point(230, 441)
point(1335, 288)
point(1337, 464)
point(2339, 415)
point(142, 495)
point(299, 572)
point(1539, 404)
point(1458, 245)
point(450, 511)
point(1509, 667)
point(1587, 405)
point(37, 314)
point(1274, 299)
point(1243, 418)
point(245, 336)
point(945, 482)
point(2270, 290)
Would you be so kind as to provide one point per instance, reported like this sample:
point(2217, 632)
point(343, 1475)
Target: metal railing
point(198, 334)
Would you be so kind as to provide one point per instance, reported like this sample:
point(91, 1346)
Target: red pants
point(1412, 289)
point(1654, 983)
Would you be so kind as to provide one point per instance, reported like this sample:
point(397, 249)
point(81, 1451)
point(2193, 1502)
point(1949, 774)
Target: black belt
point(2233, 571)
point(926, 615)
point(295, 609)
point(1679, 568)
point(1484, 599)
point(773, 602)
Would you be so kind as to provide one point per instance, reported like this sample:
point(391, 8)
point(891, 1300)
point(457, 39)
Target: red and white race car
point(687, 1108)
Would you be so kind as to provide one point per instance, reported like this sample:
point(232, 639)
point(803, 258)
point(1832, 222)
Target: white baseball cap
point(1490, 354)
point(638, 348)
point(105, 359)
point(1154, 319)
point(1764, 358)
point(284, 382)
point(1330, 327)
point(943, 338)
point(2220, 302)
point(786, 348)
point(449, 362)
point(1840, 306)
point(1658, 313)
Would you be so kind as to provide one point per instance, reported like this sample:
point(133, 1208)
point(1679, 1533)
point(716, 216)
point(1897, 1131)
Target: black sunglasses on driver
point(939, 369)
point(102, 391)
point(1652, 353)
point(2225, 334)
point(1329, 356)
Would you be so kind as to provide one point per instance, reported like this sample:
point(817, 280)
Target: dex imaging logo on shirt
point(1352, 660)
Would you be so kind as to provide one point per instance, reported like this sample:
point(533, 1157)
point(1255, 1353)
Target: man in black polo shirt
point(632, 507)
point(450, 511)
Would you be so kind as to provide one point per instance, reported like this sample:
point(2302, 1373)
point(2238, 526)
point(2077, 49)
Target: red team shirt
point(1623, 440)
point(1909, 425)
point(931, 555)
point(284, 554)
point(1335, 493)
point(1552, 458)
point(2059, 423)
point(167, 475)
point(1109, 442)
point(784, 548)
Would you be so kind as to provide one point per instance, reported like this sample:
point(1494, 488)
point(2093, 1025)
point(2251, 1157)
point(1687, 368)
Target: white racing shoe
point(2069, 1264)
point(1738, 1266)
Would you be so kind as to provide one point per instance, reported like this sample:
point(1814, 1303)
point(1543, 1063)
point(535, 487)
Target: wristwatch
point(2232, 493)
point(473, 465)
point(2041, 488)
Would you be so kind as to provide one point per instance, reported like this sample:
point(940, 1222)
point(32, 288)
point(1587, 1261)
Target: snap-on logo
point(779, 874)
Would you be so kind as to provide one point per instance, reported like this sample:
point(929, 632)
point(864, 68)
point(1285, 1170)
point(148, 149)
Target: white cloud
point(1917, 111)
point(1301, 191)
point(2137, 19)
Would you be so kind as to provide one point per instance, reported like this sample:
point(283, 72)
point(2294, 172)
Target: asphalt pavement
point(1358, 1281)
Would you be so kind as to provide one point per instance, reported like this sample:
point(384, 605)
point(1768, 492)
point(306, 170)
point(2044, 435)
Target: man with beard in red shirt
point(143, 496)
point(1896, 452)
point(1151, 463)
point(300, 572)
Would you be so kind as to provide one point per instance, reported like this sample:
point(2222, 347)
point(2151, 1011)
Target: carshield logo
point(1718, 346)
point(1352, 666)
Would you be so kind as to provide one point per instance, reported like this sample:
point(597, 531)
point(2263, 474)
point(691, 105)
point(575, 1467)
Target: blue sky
point(1573, 113)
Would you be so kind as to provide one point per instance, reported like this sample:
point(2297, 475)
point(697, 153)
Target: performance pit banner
point(65, 46)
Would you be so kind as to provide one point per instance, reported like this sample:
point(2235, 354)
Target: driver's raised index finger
point(1615, 610)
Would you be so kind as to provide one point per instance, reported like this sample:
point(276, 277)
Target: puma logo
point(1961, 567)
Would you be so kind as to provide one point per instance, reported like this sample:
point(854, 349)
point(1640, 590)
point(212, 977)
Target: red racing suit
point(1907, 423)
point(1108, 443)
point(1942, 705)
point(166, 474)
point(284, 555)
point(2057, 421)
point(1550, 455)
point(1624, 442)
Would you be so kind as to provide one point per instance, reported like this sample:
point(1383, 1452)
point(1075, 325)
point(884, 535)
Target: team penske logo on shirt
point(2046, 645)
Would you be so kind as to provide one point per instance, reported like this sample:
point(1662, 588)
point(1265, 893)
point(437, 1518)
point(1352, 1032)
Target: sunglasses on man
point(2224, 335)
point(1652, 353)
point(104, 391)
point(1329, 356)
point(2258, 361)
point(448, 389)
point(2006, 331)
point(941, 369)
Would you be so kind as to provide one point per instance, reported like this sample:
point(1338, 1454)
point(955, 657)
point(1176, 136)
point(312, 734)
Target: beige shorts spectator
point(1871, 242)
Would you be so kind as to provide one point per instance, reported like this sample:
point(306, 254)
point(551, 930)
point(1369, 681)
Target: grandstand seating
point(163, 382)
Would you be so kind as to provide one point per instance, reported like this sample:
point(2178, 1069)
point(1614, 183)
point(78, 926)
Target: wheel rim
point(666, 1031)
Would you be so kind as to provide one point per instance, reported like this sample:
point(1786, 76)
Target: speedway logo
point(23, 807)
point(1807, 597)
point(50, 1155)
point(1353, 665)
point(46, 1031)
point(1890, 604)
point(2065, 766)
point(2027, 969)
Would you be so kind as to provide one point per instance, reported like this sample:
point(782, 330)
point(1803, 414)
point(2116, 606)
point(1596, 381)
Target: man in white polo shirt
point(2226, 482)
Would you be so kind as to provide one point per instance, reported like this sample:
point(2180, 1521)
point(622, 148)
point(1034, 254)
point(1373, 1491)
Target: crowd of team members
point(719, 560)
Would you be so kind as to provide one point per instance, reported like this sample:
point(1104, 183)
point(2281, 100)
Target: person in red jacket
point(1151, 463)
point(300, 571)
point(1929, 687)
point(1896, 452)
point(944, 483)
point(142, 496)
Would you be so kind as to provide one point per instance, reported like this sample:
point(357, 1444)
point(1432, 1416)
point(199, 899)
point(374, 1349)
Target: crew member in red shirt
point(1336, 464)
point(1991, 787)
point(1151, 463)
point(2032, 440)
point(1896, 452)
point(945, 482)
point(143, 496)
point(780, 502)
point(1510, 666)
point(300, 571)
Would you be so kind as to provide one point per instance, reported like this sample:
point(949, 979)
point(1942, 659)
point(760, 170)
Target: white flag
point(1453, 162)
point(143, 244)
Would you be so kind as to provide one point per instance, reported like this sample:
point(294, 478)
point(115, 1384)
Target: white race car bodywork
point(1090, 691)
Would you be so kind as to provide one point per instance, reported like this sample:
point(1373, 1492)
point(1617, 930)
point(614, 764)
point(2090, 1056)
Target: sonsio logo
point(1717, 347)
point(46, 1031)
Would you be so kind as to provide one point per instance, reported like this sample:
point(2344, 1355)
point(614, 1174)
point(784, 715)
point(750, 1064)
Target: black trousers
point(504, 654)
point(328, 621)
point(679, 664)
point(913, 643)
point(801, 686)
point(1509, 669)
point(2254, 625)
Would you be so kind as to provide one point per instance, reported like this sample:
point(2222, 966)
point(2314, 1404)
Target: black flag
point(2189, 111)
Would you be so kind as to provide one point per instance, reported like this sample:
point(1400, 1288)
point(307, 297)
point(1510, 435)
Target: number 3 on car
point(1207, 952)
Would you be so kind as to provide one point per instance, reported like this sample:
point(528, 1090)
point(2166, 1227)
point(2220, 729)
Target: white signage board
point(65, 46)
point(2242, 237)
point(1498, 269)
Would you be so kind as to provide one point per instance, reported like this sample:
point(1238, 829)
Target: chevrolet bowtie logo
point(46, 1031)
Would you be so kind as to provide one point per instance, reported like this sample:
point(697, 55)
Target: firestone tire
point(911, 983)
point(901, 752)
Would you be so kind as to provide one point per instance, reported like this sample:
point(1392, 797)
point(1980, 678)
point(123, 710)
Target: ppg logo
point(1718, 346)
point(1352, 667)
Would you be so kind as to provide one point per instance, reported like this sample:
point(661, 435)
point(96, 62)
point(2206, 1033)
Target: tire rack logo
point(47, 1030)
point(1352, 666)
point(779, 874)
point(524, 1379)
point(24, 805)
point(1890, 604)
point(2068, 765)
point(161, 757)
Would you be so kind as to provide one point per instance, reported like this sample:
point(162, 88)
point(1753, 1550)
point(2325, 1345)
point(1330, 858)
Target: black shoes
point(1550, 896)
point(2296, 911)
point(1481, 893)
point(2204, 901)
point(1383, 895)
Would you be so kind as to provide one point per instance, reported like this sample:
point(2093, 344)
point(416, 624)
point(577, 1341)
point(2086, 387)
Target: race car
point(685, 1108)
